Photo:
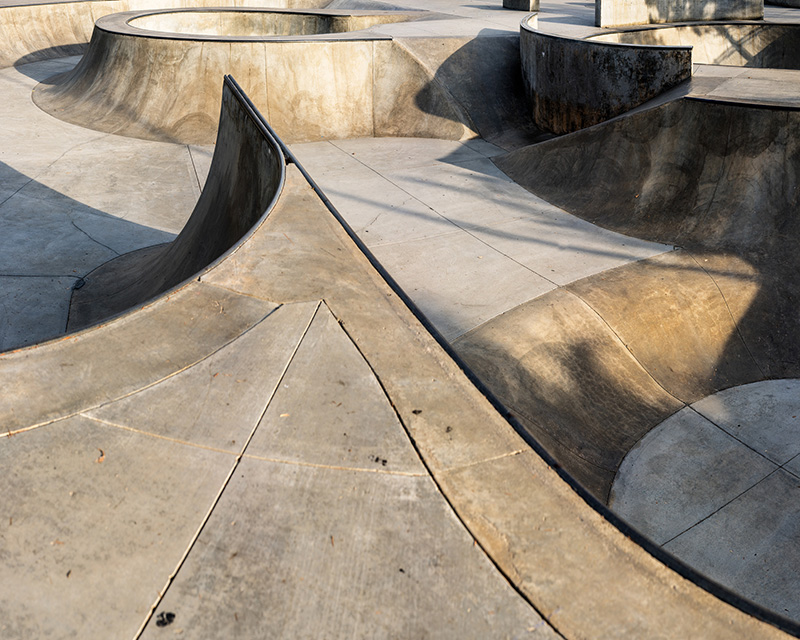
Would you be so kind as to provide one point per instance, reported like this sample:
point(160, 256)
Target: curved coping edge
point(120, 24)
point(525, 26)
point(258, 120)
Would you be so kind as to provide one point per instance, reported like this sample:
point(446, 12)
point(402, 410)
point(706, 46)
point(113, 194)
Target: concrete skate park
point(423, 319)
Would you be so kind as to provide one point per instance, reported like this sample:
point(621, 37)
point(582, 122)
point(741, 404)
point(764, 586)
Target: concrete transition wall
point(245, 178)
point(743, 44)
point(644, 338)
point(613, 13)
point(38, 32)
point(574, 83)
point(308, 89)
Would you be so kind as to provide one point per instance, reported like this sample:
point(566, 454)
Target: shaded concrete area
point(716, 485)
point(83, 216)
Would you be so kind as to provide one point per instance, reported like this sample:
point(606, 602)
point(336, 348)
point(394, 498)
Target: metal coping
point(257, 119)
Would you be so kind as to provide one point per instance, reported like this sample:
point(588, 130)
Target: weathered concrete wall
point(37, 32)
point(574, 83)
point(775, 46)
point(168, 88)
point(613, 13)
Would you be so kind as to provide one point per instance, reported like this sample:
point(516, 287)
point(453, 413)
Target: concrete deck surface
point(281, 449)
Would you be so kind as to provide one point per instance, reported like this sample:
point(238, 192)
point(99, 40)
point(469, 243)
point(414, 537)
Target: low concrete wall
point(41, 31)
point(613, 13)
point(574, 83)
point(744, 44)
point(163, 86)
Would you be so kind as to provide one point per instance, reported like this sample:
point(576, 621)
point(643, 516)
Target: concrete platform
point(282, 445)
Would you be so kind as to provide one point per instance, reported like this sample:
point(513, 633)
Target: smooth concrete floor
point(718, 484)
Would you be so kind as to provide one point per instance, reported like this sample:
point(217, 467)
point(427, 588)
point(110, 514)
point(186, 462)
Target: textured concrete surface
point(573, 84)
point(745, 44)
point(312, 392)
point(717, 483)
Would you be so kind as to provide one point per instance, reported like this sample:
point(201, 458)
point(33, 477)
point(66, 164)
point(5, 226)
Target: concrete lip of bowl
point(744, 43)
point(250, 24)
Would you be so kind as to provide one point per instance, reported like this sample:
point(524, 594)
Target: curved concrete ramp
point(680, 173)
point(163, 86)
point(600, 362)
point(281, 435)
point(245, 178)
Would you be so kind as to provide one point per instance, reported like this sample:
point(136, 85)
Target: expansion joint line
point(453, 222)
point(227, 480)
point(439, 488)
point(730, 313)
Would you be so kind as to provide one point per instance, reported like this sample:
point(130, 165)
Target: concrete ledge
point(521, 5)
point(742, 44)
point(615, 13)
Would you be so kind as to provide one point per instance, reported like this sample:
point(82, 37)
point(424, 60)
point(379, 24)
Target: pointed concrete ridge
point(258, 435)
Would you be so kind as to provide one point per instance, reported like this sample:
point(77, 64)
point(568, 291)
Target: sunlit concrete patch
point(218, 401)
point(459, 282)
point(335, 416)
point(462, 239)
point(309, 550)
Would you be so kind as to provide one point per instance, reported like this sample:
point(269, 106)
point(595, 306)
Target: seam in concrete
point(252, 296)
point(11, 434)
point(444, 217)
point(789, 471)
point(86, 233)
point(625, 346)
point(156, 435)
point(733, 318)
point(36, 177)
point(728, 433)
point(771, 473)
point(509, 580)
point(227, 480)
point(194, 168)
point(501, 456)
point(315, 465)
